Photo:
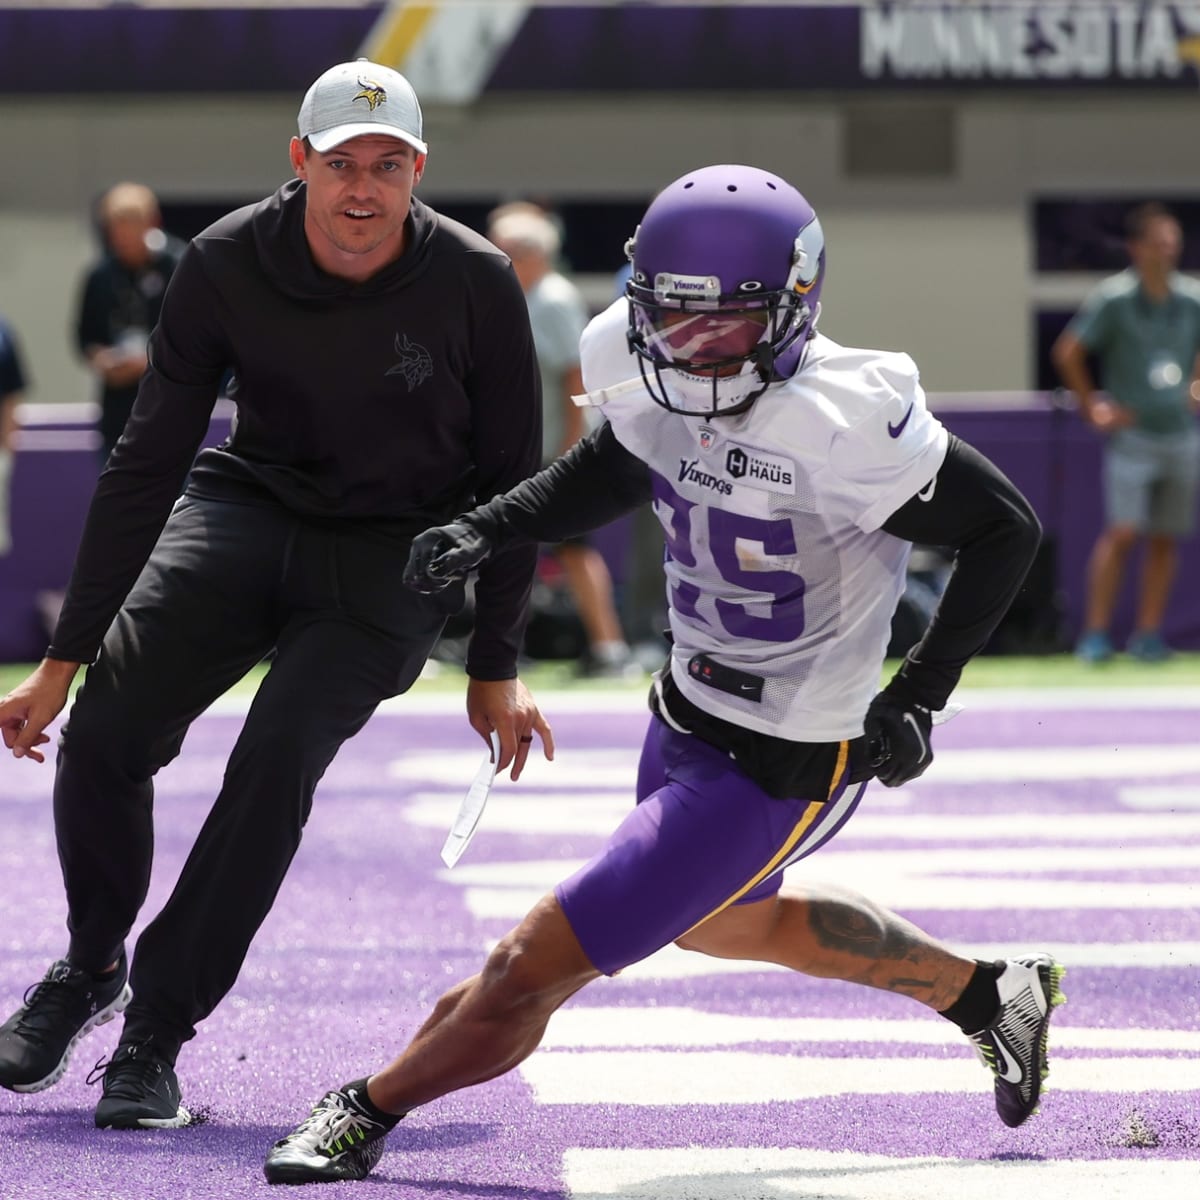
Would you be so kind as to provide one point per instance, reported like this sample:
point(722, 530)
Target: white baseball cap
point(357, 98)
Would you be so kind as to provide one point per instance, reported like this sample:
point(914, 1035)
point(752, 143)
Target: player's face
point(701, 338)
point(359, 194)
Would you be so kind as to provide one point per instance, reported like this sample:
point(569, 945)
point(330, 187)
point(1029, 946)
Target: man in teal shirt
point(1143, 325)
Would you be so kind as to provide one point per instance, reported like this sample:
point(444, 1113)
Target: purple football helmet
point(727, 270)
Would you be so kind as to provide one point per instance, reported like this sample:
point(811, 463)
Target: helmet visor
point(684, 337)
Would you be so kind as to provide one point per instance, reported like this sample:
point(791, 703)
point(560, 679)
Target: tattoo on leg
point(909, 987)
point(865, 943)
point(851, 929)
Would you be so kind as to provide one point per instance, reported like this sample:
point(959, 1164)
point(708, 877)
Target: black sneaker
point(140, 1090)
point(337, 1140)
point(37, 1040)
point(1014, 1046)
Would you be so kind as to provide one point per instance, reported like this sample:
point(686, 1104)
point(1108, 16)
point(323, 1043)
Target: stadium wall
point(929, 253)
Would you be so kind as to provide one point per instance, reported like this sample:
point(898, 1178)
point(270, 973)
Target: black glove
point(444, 555)
point(897, 727)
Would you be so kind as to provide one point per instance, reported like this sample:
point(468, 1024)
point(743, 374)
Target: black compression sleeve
point(595, 482)
point(995, 534)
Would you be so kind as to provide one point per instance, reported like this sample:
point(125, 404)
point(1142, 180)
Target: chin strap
point(776, 377)
point(764, 363)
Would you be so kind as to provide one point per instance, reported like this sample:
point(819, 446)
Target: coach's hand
point(32, 705)
point(897, 728)
point(445, 555)
point(506, 707)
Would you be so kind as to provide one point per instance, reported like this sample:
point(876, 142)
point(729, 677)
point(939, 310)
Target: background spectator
point(558, 314)
point(121, 299)
point(1143, 324)
point(12, 384)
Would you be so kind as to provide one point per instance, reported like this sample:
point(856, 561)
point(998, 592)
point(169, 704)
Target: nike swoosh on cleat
point(897, 429)
point(1007, 1066)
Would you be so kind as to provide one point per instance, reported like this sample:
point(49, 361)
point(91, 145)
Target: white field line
point(724, 1077)
point(581, 1027)
point(738, 1173)
point(634, 701)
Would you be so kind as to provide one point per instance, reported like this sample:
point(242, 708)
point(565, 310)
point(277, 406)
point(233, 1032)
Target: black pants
point(225, 585)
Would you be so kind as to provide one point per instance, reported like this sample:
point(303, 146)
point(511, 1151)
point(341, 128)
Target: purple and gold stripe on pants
point(703, 837)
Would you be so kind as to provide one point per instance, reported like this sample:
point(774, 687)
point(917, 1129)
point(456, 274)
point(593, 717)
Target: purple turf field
point(1042, 824)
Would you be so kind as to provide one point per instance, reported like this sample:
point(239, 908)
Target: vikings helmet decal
point(372, 93)
point(728, 264)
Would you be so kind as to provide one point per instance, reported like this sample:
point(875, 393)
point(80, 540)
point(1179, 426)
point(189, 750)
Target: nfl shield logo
point(707, 437)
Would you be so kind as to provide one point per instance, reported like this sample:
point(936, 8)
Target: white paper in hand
point(471, 809)
point(947, 714)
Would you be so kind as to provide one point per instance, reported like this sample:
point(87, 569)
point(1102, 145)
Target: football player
point(791, 476)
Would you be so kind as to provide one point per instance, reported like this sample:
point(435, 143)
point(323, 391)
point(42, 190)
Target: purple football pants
point(702, 837)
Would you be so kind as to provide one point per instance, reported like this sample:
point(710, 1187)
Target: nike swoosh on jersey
point(897, 429)
point(926, 493)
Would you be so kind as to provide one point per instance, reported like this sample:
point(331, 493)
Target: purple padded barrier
point(55, 469)
point(1046, 451)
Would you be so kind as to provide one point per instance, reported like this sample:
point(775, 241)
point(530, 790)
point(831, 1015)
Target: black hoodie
point(395, 403)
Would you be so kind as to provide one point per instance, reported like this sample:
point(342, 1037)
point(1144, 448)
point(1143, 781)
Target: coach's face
point(359, 194)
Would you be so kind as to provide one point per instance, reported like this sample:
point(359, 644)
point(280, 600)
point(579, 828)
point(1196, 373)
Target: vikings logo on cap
point(371, 92)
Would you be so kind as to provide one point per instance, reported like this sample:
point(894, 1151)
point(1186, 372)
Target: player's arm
point(972, 507)
point(969, 506)
point(595, 482)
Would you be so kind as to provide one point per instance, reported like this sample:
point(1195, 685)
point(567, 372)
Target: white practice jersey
point(776, 564)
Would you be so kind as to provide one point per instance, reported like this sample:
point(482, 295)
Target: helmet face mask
point(709, 339)
point(727, 267)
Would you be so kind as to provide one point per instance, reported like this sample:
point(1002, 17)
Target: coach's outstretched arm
point(971, 506)
point(595, 482)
